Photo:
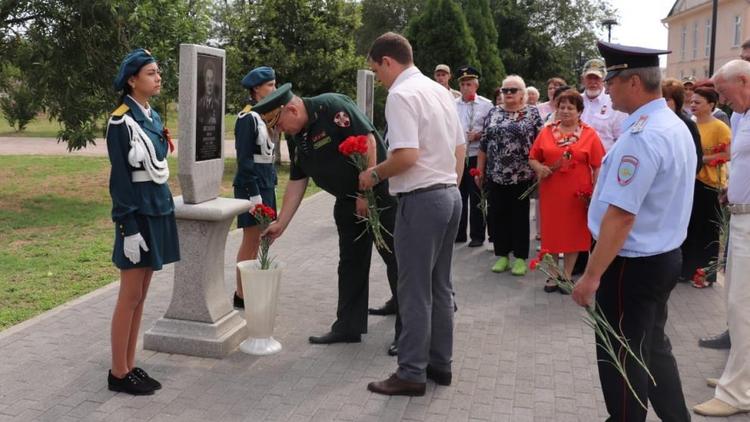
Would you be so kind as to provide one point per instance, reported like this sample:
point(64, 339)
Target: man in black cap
point(638, 215)
point(472, 109)
point(319, 124)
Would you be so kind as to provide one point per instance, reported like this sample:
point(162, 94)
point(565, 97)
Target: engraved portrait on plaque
point(208, 136)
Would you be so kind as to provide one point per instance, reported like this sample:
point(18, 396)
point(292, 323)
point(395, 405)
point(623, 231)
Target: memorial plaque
point(366, 92)
point(209, 107)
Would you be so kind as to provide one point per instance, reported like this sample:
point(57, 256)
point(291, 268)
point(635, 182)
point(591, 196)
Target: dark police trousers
point(633, 295)
point(354, 262)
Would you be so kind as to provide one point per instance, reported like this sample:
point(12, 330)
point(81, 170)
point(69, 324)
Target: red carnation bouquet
point(475, 172)
point(612, 341)
point(264, 215)
point(355, 148)
point(563, 163)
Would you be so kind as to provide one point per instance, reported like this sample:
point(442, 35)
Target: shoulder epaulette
point(245, 111)
point(120, 111)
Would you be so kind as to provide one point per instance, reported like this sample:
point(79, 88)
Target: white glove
point(132, 246)
point(256, 200)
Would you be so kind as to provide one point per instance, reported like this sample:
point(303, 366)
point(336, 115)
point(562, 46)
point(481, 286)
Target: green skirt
point(160, 233)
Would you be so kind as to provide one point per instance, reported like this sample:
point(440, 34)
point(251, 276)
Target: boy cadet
point(319, 124)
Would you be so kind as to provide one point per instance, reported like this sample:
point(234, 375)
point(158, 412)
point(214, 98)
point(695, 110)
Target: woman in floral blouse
point(509, 132)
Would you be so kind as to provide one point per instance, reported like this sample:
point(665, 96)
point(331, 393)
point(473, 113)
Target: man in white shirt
point(732, 394)
point(426, 151)
point(472, 109)
point(597, 106)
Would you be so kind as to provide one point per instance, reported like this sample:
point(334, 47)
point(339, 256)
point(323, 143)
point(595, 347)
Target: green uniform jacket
point(128, 198)
point(314, 152)
point(250, 176)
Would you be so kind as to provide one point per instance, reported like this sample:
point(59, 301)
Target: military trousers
point(633, 295)
point(355, 252)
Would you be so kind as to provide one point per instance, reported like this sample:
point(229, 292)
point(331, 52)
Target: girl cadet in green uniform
point(142, 209)
point(256, 176)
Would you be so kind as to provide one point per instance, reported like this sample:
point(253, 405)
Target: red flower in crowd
point(354, 145)
point(473, 172)
point(533, 263)
point(717, 162)
point(719, 148)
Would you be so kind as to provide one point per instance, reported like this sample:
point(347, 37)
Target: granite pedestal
point(200, 320)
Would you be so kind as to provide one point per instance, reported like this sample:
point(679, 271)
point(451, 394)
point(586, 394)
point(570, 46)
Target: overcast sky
point(640, 23)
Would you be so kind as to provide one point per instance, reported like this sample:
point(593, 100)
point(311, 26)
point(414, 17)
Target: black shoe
point(140, 373)
point(238, 301)
point(476, 243)
point(719, 341)
point(462, 240)
point(393, 349)
point(130, 384)
point(334, 337)
point(550, 288)
point(440, 377)
point(389, 308)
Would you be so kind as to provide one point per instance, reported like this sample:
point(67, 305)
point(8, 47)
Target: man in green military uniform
point(319, 124)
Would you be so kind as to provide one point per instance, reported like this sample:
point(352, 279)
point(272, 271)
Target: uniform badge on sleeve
point(626, 170)
point(342, 119)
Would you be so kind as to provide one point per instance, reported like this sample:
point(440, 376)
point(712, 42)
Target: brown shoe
point(395, 386)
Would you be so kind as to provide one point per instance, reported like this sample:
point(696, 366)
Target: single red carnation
point(533, 263)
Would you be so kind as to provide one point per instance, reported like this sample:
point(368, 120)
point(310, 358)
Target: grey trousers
point(426, 227)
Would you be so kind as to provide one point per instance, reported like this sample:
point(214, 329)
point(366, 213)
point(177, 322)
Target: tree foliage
point(307, 42)
point(539, 39)
point(482, 27)
point(77, 46)
point(379, 16)
point(440, 34)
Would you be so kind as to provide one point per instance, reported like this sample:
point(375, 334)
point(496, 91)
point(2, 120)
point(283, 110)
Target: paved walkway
point(50, 146)
point(520, 354)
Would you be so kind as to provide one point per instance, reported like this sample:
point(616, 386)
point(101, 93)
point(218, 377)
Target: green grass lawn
point(55, 229)
point(42, 127)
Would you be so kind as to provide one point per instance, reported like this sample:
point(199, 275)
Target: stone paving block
point(519, 354)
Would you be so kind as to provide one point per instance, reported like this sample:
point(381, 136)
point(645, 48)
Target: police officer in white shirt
point(597, 105)
point(472, 109)
point(639, 215)
point(732, 394)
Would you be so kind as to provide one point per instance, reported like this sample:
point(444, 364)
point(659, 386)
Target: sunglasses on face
point(509, 90)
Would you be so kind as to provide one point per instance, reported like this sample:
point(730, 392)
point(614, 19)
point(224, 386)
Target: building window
point(737, 31)
point(708, 37)
point(683, 40)
point(682, 73)
point(705, 72)
point(695, 40)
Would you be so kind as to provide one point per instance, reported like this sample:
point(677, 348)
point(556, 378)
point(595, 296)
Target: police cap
point(621, 57)
point(467, 72)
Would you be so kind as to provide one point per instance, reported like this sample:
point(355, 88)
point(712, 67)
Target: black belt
point(427, 189)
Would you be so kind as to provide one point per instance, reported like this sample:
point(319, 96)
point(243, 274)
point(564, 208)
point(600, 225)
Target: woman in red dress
point(566, 157)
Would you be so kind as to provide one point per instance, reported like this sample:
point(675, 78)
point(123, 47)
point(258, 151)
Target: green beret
point(258, 76)
point(270, 106)
point(130, 66)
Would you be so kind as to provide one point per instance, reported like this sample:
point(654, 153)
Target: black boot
point(719, 341)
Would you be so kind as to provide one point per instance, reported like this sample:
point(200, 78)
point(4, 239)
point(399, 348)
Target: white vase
point(261, 292)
